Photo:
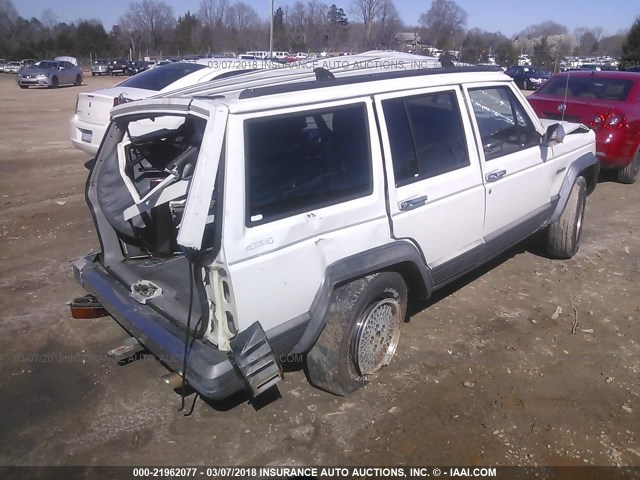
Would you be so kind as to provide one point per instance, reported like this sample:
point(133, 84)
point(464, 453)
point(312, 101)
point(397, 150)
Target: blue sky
point(507, 16)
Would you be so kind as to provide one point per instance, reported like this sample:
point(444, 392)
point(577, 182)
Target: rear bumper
point(615, 148)
point(209, 370)
point(79, 127)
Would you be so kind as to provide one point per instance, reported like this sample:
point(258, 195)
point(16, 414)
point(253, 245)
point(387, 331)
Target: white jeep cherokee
point(297, 218)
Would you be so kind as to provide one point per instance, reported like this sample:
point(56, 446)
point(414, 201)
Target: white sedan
point(92, 116)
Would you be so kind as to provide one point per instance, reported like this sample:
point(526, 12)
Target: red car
point(609, 103)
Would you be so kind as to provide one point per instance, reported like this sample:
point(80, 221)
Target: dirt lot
point(487, 373)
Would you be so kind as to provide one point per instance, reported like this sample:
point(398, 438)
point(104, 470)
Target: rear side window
point(303, 161)
point(426, 136)
point(594, 86)
point(504, 125)
point(160, 77)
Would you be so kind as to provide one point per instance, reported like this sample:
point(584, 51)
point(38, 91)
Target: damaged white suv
point(284, 217)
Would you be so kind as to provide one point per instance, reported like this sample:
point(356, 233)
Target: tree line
point(150, 27)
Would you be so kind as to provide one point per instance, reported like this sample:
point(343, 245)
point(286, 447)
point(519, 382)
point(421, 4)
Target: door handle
point(412, 203)
point(495, 175)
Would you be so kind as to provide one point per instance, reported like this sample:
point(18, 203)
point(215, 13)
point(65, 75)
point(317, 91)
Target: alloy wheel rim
point(376, 336)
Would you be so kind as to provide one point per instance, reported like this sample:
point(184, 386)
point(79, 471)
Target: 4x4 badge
point(562, 107)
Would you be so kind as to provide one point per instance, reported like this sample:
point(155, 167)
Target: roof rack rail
point(367, 77)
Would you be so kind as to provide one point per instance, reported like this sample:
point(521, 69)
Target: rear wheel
point(93, 74)
point(78, 81)
point(361, 333)
point(629, 174)
point(563, 236)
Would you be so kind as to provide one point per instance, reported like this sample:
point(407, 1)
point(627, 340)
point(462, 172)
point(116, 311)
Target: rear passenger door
point(436, 194)
point(304, 189)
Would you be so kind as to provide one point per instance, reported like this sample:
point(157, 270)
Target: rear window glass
point(588, 87)
point(160, 77)
point(303, 161)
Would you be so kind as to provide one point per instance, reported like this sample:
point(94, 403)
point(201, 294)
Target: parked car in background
point(281, 218)
point(3, 63)
point(606, 101)
point(92, 109)
point(49, 73)
point(136, 67)
point(528, 78)
point(27, 62)
point(100, 67)
point(12, 67)
point(118, 66)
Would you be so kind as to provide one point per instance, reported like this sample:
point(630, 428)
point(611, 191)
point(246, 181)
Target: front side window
point(302, 161)
point(426, 136)
point(504, 125)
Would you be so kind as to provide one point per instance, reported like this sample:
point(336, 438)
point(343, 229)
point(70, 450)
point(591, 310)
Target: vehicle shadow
point(533, 245)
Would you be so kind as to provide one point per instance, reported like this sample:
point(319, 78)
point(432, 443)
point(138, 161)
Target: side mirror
point(554, 134)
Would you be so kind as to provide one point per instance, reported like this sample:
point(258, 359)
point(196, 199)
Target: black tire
point(523, 85)
point(93, 74)
point(333, 362)
point(78, 81)
point(563, 236)
point(629, 174)
point(23, 86)
point(54, 82)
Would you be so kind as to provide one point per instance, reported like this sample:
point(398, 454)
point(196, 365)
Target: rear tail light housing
point(120, 99)
point(612, 120)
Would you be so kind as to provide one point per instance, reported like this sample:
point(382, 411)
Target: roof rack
point(367, 77)
point(352, 65)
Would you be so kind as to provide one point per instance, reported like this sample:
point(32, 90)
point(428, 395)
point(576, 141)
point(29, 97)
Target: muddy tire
point(360, 335)
point(563, 236)
point(629, 174)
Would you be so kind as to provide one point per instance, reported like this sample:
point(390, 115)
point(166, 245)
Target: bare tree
point(368, 11)
point(129, 33)
point(389, 23)
point(442, 20)
point(241, 16)
point(213, 12)
point(49, 19)
point(242, 19)
point(154, 19)
point(8, 10)
point(295, 20)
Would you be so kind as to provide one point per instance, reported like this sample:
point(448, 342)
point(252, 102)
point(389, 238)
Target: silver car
point(100, 67)
point(12, 67)
point(49, 73)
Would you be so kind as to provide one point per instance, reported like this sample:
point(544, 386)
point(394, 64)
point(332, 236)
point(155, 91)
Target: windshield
point(162, 76)
point(46, 65)
point(534, 71)
point(615, 89)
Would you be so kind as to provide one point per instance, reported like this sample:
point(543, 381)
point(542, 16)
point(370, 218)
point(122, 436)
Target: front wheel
point(23, 86)
point(629, 174)
point(78, 81)
point(361, 333)
point(563, 235)
point(54, 82)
